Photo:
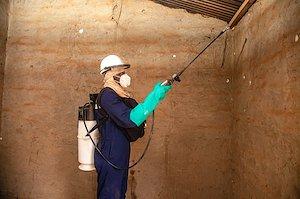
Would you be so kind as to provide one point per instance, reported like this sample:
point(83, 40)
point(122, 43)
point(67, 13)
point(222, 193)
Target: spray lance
point(176, 76)
point(87, 139)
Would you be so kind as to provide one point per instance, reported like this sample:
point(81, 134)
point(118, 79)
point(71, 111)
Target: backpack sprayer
point(88, 139)
point(88, 126)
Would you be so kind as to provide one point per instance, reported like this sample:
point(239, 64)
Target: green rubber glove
point(140, 113)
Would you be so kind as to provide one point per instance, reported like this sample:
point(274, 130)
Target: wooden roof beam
point(241, 12)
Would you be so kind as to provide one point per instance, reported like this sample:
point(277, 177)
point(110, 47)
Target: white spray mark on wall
point(296, 38)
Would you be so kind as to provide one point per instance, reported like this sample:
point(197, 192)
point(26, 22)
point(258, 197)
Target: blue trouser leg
point(112, 183)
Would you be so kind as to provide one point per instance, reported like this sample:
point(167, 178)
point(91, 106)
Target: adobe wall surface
point(51, 68)
point(264, 55)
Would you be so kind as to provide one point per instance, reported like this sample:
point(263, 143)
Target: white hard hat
point(111, 61)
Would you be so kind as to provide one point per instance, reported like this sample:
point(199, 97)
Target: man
point(115, 144)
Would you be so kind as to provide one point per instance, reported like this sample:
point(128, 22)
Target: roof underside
point(221, 9)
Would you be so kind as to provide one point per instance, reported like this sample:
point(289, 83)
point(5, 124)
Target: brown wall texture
point(266, 96)
point(223, 132)
point(51, 68)
point(4, 9)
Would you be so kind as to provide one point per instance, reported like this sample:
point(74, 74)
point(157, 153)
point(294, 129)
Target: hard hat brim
point(125, 65)
point(104, 70)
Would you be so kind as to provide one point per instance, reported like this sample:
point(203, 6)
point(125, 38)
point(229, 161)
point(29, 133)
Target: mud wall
point(264, 56)
point(52, 66)
point(4, 10)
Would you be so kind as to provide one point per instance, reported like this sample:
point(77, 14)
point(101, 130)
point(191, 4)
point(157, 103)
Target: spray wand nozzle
point(169, 82)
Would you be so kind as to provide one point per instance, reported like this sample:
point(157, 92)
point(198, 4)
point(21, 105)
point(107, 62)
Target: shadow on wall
point(4, 12)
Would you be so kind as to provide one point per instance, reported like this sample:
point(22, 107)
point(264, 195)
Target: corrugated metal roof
point(221, 9)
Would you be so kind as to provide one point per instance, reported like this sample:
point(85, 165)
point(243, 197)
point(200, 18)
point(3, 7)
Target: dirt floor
point(230, 129)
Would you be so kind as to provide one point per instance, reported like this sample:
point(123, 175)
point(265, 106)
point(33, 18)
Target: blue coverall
point(112, 183)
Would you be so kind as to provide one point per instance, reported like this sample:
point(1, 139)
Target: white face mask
point(125, 80)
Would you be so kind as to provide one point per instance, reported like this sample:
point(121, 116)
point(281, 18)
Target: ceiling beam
point(193, 9)
point(241, 12)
